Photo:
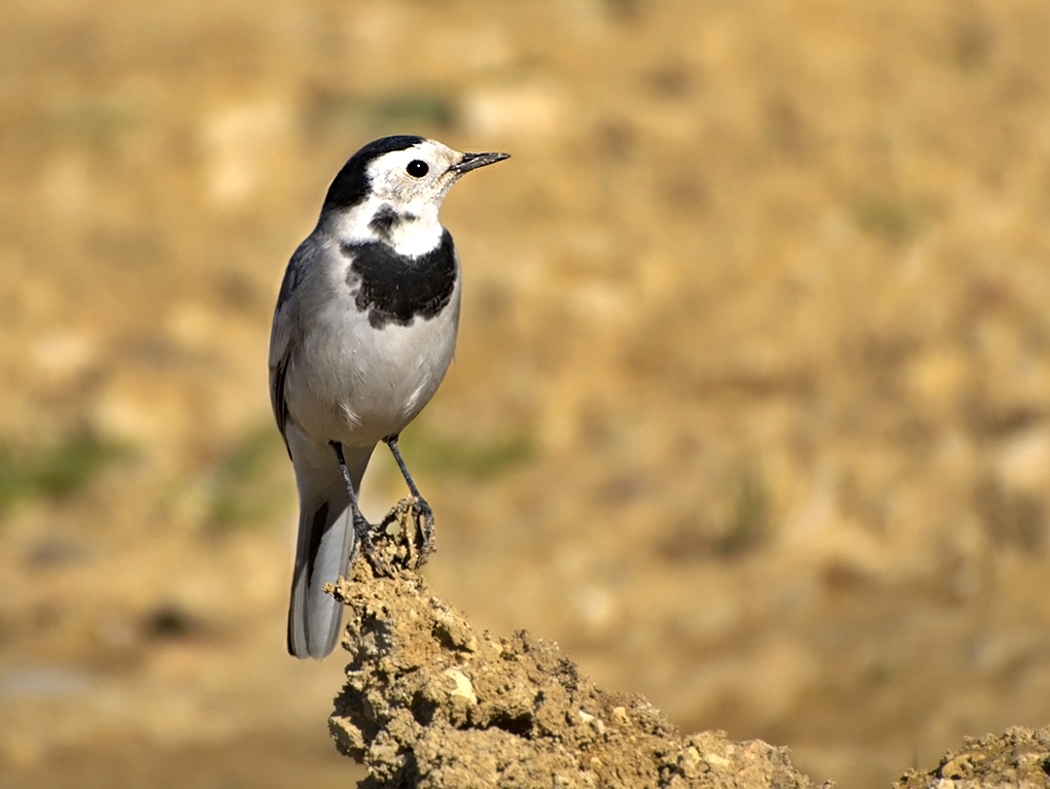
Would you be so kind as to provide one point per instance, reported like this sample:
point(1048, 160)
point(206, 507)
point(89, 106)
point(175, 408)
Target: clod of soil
point(1017, 758)
point(430, 702)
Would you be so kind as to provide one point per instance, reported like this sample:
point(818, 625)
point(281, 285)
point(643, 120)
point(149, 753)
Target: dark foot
point(421, 514)
point(424, 518)
point(415, 531)
point(363, 529)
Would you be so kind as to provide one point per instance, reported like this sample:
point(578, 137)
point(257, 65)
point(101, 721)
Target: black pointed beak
point(472, 161)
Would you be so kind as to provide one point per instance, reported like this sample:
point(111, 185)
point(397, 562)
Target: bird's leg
point(421, 504)
point(362, 528)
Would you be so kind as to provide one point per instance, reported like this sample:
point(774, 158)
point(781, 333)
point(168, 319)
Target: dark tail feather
point(326, 538)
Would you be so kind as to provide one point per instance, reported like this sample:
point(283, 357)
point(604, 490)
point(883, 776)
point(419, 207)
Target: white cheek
point(392, 188)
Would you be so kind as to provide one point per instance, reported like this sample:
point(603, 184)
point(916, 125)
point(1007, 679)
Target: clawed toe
point(364, 530)
point(416, 520)
point(424, 518)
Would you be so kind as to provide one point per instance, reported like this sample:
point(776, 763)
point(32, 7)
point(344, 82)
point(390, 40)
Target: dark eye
point(417, 168)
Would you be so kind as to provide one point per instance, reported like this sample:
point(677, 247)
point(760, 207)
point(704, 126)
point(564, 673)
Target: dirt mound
point(430, 702)
point(1019, 758)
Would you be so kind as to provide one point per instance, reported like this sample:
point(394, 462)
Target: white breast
point(358, 384)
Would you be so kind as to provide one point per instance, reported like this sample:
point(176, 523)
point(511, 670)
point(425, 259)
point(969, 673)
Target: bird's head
point(404, 176)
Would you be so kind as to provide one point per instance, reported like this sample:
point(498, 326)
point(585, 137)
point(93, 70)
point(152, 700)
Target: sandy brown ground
point(432, 703)
point(749, 412)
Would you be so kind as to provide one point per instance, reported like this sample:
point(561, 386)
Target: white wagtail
point(364, 330)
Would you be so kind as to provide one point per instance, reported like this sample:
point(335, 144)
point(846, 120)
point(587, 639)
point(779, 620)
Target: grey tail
point(326, 540)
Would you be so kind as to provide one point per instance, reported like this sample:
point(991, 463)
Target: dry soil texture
point(431, 703)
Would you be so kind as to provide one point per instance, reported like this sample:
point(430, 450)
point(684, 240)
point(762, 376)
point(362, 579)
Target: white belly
point(357, 384)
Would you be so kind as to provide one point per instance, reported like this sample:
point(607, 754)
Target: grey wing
point(278, 370)
point(283, 334)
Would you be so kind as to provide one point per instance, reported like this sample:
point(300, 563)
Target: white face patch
point(415, 179)
point(395, 197)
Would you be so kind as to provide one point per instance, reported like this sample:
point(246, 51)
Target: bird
point(363, 333)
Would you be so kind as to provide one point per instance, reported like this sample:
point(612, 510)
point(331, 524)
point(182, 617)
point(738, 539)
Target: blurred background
point(750, 412)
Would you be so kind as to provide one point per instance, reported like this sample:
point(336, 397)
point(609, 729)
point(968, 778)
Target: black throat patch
point(386, 219)
point(393, 288)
